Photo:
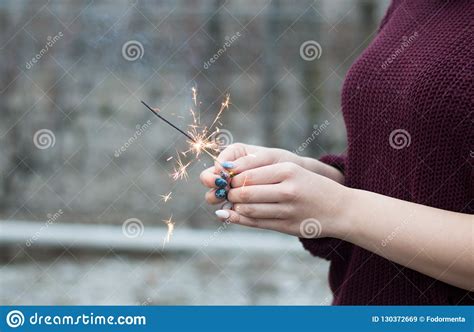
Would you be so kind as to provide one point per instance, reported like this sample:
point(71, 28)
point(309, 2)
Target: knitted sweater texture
point(408, 108)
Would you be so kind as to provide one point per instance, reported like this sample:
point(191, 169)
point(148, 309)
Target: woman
point(394, 215)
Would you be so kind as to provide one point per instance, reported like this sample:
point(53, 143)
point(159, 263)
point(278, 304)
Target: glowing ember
point(225, 105)
point(180, 171)
point(167, 197)
point(169, 222)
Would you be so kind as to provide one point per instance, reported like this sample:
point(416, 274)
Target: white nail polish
point(222, 214)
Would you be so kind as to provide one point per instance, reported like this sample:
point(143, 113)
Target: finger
point(269, 174)
point(236, 218)
point(212, 180)
point(211, 197)
point(252, 160)
point(229, 154)
point(262, 210)
point(270, 193)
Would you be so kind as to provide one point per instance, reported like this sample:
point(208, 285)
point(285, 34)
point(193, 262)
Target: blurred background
point(84, 165)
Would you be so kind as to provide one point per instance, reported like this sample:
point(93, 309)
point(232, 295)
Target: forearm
point(435, 242)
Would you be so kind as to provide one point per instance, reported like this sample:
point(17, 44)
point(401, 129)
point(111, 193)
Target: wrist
point(343, 221)
point(323, 169)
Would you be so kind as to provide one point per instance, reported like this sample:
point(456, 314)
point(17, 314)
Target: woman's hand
point(237, 158)
point(286, 197)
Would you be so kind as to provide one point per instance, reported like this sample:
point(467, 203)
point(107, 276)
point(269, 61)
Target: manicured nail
point(220, 183)
point(221, 193)
point(222, 214)
point(228, 164)
point(224, 175)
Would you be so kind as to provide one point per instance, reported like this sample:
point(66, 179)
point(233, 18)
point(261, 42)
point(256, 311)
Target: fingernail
point(222, 214)
point(220, 183)
point(224, 175)
point(220, 193)
point(228, 164)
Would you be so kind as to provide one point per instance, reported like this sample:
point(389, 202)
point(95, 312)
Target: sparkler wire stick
point(180, 130)
point(169, 123)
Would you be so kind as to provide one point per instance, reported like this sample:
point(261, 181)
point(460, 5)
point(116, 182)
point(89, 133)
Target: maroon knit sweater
point(408, 108)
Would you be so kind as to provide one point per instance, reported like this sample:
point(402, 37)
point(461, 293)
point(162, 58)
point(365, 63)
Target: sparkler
point(199, 138)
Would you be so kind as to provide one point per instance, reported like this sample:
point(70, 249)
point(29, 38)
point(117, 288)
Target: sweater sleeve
point(327, 248)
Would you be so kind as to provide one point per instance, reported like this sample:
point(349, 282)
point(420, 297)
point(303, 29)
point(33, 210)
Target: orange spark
point(224, 105)
point(180, 171)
